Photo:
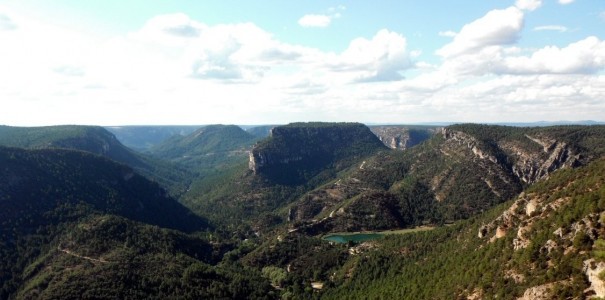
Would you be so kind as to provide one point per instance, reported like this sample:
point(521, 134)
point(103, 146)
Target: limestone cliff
point(461, 170)
point(402, 137)
point(296, 152)
point(529, 157)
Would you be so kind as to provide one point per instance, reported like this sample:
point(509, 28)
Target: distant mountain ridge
point(206, 140)
point(96, 140)
point(142, 138)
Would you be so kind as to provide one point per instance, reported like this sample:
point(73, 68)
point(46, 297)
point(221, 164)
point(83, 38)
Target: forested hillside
point(76, 225)
point(96, 140)
point(208, 150)
point(296, 158)
point(460, 172)
point(473, 211)
point(547, 243)
point(143, 138)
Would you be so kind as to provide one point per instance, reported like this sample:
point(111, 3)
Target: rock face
point(529, 157)
point(402, 137)
point(541, 292)
point(531, 166)
point(592, 270)
point(467, 168)
point(298, 151)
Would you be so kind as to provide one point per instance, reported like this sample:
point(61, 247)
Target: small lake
point(354, 237)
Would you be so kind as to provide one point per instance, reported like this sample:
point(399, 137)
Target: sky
point(182, 62)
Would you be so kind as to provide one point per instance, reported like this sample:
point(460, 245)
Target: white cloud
point(447, 33)
point(564, 2)
point(321, 20)
point(170, 30)
point(380, 59)
point(497, 27)
point(176, 70)
point(583, 57)
point(6, 23)
point(558, 28)
point(530, 5)
point(315, 21)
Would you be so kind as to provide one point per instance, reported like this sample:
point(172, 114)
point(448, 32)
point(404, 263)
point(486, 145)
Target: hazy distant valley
point(463, 211)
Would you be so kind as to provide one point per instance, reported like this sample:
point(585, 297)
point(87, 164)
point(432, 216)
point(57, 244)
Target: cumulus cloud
point(530, 5)
point(321, 20)
point(305, 86)
point(564, 2)
point(583, 57)
point(315, 21)
point(231, 52)
point(227, 52)
point(380, 59)
point(483, 76)
point(215, 62)
point(171, 29)
point(497, 27)
point(558, 28)
point(6, 23)
point(586, 56)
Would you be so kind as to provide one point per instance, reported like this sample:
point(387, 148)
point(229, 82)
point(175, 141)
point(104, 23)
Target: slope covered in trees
point(295, 153)
point(143, 138)
point(461, 171)
point(96, 140)
point(546, 240)
point(109, 257)
point(208, 150)
point(207, 140)
point(296, 158)
point(75, 225)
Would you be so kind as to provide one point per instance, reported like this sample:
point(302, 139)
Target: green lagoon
point(353, 237)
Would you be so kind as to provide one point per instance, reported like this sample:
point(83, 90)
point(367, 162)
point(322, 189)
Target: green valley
point(314, 210)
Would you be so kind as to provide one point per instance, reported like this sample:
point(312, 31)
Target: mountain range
point(463, 211)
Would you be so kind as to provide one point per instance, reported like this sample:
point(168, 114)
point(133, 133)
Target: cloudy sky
point(270, 61)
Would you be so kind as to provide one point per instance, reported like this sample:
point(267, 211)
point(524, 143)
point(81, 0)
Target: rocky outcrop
point(541, 292)
point(592, 269)
point(297, 151)
point(458, 163)
point(259, 160)
point(402, 137)
point(531, 166)
point(522, 214)
point(475, 145)
point(529, 158)
point(531, 207)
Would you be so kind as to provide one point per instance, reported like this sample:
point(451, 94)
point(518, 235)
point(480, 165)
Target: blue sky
point(258, 62)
